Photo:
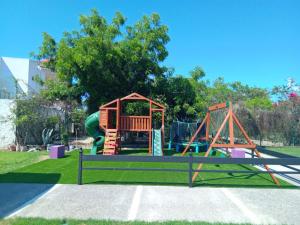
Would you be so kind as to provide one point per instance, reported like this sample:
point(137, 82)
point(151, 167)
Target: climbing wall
point(156, 142)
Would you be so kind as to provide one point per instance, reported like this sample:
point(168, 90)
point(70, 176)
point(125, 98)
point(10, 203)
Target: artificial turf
point(289, 150)
point(65, 171)
point(10, 161)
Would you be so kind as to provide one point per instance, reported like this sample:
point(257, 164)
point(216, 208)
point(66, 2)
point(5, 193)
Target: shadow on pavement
point(137, 183)
point(14, 195)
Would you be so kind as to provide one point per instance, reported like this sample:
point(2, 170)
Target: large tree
point(106, 60)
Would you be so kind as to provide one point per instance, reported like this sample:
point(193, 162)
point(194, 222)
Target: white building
point(16, 76)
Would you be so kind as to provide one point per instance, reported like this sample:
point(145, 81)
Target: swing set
point(226, 135)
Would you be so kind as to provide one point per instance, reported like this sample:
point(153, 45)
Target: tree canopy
point(107, 60)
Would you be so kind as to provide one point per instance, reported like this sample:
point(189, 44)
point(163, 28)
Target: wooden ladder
point(110, 144)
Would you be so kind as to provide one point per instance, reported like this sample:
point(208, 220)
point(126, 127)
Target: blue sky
point(254, 41)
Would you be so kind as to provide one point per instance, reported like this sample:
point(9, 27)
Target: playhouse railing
point(135, 123)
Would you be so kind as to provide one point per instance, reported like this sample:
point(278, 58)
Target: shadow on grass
point(247, 184)
point(17, 189)
point(260, 186)
point(67, 155)
point(253, 174)
point(133, 151)
point(203, 183)
point(40, 178)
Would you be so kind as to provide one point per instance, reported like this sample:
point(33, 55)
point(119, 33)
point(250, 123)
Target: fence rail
point(190, 160)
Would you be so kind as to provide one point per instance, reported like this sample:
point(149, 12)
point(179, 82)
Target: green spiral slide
point(93, 130)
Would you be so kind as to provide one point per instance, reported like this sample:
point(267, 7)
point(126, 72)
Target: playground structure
point(228, 127)
point(107, 125)
point(181, 133)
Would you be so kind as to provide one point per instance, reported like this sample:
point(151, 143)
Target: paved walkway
point(291, 178)
point(153, 203)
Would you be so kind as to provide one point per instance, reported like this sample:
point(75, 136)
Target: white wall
point(7, 128)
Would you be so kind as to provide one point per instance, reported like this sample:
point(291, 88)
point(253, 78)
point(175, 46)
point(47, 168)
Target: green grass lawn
point(289, 150)
point(38, 221)
point(10, 161)
point(64, 171)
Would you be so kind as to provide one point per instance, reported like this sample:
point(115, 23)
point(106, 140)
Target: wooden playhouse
point(114, 123)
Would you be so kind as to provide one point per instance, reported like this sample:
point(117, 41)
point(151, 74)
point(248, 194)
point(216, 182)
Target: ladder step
point(110, 145)
point(110, 142)
point(109, 151)
point(109, 148)
point(110, 138)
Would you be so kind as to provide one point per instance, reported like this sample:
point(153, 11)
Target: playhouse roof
point(133, 96)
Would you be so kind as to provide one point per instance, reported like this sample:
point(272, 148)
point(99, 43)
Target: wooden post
point(207, 127)
point(190, 169)
point(150, 128)
point(118, 114)
point(79, 178)
point(231, 132)
point(119, 123)
point(217, 106)
point(107, 118)
point(163, 130)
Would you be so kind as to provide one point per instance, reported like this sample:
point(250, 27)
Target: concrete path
point(159, 203)
point(291, 178)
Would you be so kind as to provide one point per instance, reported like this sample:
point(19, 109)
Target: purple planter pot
point(237, 153)
point(57, 151)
